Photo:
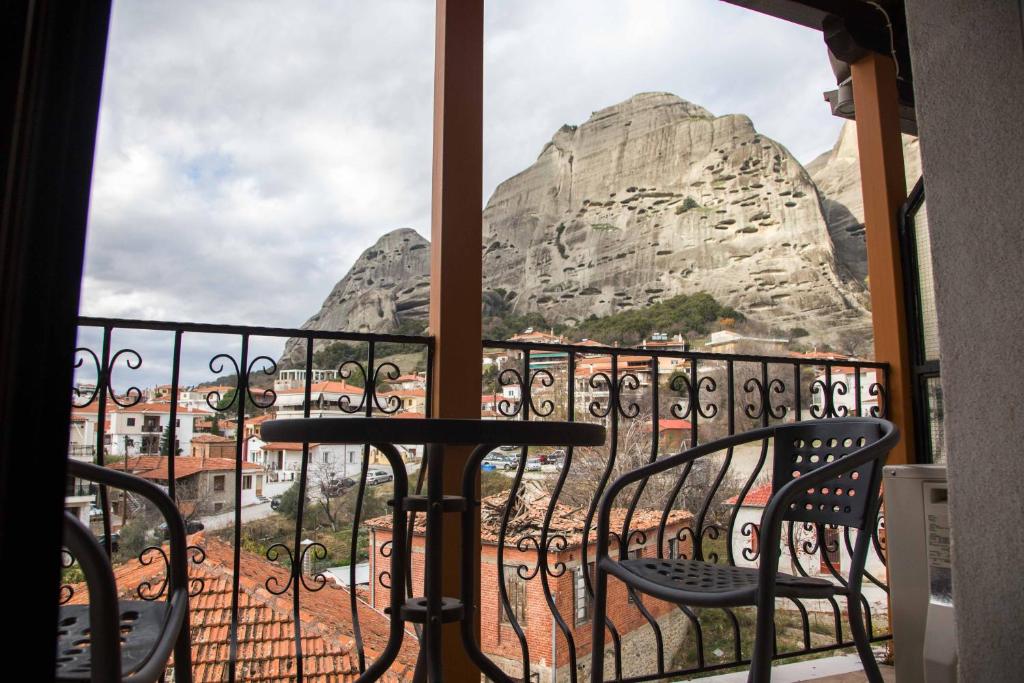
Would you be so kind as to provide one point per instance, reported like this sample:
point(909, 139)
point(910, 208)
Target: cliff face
point(647, 199)
point(655, 197)
point(388, 283)
point(836, 174)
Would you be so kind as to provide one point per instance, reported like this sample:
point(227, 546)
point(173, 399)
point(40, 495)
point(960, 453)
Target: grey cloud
point(249, 151)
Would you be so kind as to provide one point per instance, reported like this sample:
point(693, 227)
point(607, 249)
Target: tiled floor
point(888, 673)
point(841, 669)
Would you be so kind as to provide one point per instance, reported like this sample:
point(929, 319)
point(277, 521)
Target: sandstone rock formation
point(388, 283)
point(647, 199)
point(836, 173)
point(655, 197)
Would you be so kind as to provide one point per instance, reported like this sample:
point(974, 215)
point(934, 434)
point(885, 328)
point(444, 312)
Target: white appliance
point(920, 579)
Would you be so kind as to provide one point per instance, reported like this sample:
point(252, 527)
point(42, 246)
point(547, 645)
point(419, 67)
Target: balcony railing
point(653, 402)
point(656, 402)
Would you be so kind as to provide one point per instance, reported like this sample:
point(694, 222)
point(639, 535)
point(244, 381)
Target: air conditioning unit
point(920, 577)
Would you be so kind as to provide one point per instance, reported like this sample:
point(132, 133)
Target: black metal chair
point(824, 472)
point(127, 640)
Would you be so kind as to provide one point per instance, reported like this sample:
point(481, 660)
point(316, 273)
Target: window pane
point(934, 415)
point(926, 284)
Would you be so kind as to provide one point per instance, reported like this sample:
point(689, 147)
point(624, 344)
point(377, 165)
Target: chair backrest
point(847, 498)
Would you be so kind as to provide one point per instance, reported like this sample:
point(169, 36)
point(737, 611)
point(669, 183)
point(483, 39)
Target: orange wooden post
point(884, 187)
point(456, 268)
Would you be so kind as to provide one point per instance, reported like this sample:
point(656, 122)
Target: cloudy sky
point(249, 151)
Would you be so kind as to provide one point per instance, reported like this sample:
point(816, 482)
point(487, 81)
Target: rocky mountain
point(389, 282)
point(647, 199)
point(836, 174)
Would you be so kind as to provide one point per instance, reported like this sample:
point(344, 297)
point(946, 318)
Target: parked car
point(533, 465)
point(500, 462)
point(374, 477)
point(486, 466)
point(191, 526)
point(555, 457)
point(95, 512)
point(275, 502)
point(336, 487)
point(115, 539)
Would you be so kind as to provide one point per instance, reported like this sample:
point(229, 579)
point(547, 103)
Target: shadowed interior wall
point(969, 85)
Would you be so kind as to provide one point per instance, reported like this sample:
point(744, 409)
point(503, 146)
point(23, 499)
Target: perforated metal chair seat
point(715, 583)
point(141, 622)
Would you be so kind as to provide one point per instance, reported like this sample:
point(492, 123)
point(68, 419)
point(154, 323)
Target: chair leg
point(860, 637)
point(597, 637)
point(764, 645)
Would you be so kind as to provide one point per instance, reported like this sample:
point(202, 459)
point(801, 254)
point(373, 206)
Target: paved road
point(226, 519)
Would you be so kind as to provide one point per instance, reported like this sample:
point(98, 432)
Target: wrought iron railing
point(653, 402)
point(109, 350)
point(692, 398)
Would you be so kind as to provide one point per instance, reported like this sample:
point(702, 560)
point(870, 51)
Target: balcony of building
point(263, 607)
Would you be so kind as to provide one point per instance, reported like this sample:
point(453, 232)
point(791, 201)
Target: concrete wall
point(968, 62)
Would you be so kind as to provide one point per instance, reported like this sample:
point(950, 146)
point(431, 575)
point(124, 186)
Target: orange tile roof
point(266, 647)
point(326, 387)
point(211, 438)
point(665, 425)
point(141, 407)
point(414, 393)
point(284, 446)
point(155, 466)
point(755, 498)
point(566, 520)
point(408, 416)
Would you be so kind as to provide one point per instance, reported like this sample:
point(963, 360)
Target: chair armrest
point(659, 466)
point(103, 611)
point(153, 493)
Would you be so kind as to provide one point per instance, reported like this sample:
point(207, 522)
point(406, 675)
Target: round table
point(432, 609)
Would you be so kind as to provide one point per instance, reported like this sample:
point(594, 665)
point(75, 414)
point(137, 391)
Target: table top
point(433, 431)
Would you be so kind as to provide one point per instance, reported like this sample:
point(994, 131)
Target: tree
point(328, 487)
point(289, 502)
point(165, 442)
point(226, 403)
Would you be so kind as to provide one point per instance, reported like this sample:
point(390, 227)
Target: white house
point(323, 402)
point(844, 390)
point(283, 460)
point(135, 430)
point(837, 552)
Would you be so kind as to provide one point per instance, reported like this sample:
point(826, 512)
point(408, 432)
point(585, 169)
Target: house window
point(217, 507)
point(830, 551)
point(582, 600)
point(130, 421)
point(177, 422)
point(218, 482)
point(673, 548)
point(247, 481)
point(515, 586)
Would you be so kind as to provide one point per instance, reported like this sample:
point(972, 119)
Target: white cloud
point(249, 151)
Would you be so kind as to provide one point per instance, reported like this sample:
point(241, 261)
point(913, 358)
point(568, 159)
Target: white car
point(533, 465)
point(374, 477)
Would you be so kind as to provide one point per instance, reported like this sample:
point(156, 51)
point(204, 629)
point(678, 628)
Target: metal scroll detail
point(712, 395)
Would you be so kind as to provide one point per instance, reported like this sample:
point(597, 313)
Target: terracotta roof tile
point(155, 466)
point(757, 497)
point(266, 647)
